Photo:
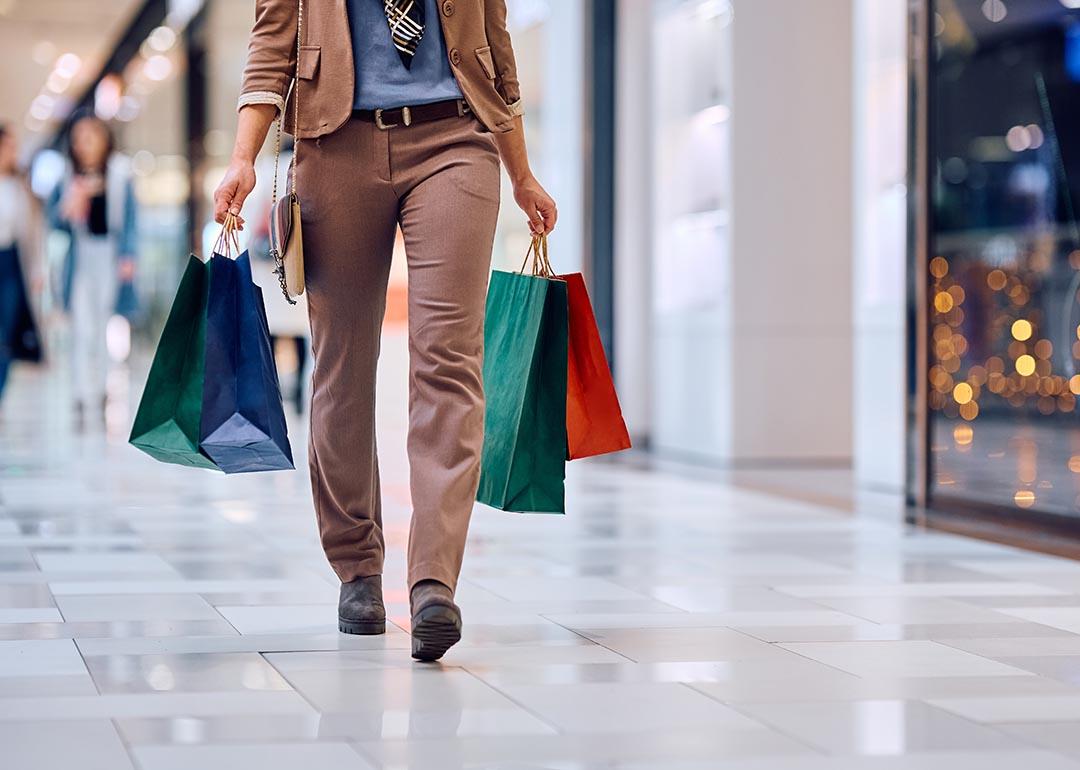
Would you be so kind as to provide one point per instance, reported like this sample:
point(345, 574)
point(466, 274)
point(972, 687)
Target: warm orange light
point(1024, 498)
point(996, 280)
point(962, 393)
point(963, 434)
point(939, 267)
point(1074, 384)
point(1021, 329)
point(943, 302)
point(1025, 365)
point(969, 411)
point(1044, 349)
point(1074, 463)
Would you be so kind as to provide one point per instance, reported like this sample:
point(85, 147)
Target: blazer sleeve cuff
point(516, 108)
point(261, 97)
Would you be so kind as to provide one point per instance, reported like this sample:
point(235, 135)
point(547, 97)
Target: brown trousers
point(440, 181)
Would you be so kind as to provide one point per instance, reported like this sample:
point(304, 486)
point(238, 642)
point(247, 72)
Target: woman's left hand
point(538, 206)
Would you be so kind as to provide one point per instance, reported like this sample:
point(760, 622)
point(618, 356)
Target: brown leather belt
point(421, 113)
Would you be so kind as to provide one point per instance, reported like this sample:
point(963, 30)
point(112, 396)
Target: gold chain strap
point(279, 258)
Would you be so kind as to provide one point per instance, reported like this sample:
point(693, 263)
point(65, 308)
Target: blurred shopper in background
point(19, 254)
point(95, 204)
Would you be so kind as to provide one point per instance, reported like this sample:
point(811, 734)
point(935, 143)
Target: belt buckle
point(406, 119)
point(379, 121)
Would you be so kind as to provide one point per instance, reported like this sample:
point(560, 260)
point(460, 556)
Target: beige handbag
point(286, 236)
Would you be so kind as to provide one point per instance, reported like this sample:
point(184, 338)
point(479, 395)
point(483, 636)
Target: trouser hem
point(432, 571)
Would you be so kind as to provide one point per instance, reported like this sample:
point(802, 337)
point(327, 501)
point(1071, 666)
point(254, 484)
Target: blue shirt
point(382, 81)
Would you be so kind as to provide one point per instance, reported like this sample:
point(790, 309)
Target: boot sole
point(361, 627)
point(435, 630)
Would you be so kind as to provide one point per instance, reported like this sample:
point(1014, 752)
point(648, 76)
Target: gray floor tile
point(103, 562)
point(660, 749)
point(909, 658)
point(30, 615)
point(53, 657)
point(278, 756)
point(138, 607)
point(621, 707)
point(90, 744)
point(1057, 736)
point(218, 729)
point(936, 760)
point(166, 704)
point(878, 727)
point(192, 672)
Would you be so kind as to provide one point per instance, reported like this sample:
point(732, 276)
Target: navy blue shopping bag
point(243, 420)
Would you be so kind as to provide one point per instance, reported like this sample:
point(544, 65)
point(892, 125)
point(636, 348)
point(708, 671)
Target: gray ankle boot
point(360, 607)
point(436, 620)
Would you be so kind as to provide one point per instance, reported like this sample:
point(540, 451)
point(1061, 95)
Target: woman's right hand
point(234, 189)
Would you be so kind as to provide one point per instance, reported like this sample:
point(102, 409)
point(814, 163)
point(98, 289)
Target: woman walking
point(96, 206)
point(18, 215)
point(405, 108)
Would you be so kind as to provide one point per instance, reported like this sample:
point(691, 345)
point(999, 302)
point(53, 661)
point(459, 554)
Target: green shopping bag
point(523, 465)
point(167, 423)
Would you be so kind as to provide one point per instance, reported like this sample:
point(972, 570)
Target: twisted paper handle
point(538, 250)
point(228, 243)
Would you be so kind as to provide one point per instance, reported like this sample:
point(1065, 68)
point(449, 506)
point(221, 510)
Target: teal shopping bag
point(523, 465)
point(170, 411)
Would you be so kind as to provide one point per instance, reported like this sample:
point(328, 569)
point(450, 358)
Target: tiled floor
point(167, 619)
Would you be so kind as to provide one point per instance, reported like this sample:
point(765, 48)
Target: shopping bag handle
point(228, 243)
point(538, 250)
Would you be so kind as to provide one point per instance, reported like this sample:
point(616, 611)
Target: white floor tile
point(49, 657)
point(1032, 708)
point(30, 615)
point(138, 607)
point(90, 744)
point(626, 707)
point(901, 659)
point(279, 756)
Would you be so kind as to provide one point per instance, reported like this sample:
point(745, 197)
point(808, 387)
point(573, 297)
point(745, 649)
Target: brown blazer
point(477, 44)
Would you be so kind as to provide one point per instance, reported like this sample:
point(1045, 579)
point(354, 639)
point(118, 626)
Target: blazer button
point(448, 8)
point(455, 56)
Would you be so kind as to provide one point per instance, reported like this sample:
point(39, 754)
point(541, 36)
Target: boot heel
point(362, 627)
point(435, 629)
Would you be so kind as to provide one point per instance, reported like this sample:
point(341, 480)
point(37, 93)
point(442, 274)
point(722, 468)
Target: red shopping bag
point(594, 421)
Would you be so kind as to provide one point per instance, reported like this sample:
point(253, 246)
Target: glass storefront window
point(692, 91)
point(1003, 329)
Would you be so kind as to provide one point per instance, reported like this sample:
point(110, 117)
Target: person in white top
point(18, 217)
point(96, 205)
